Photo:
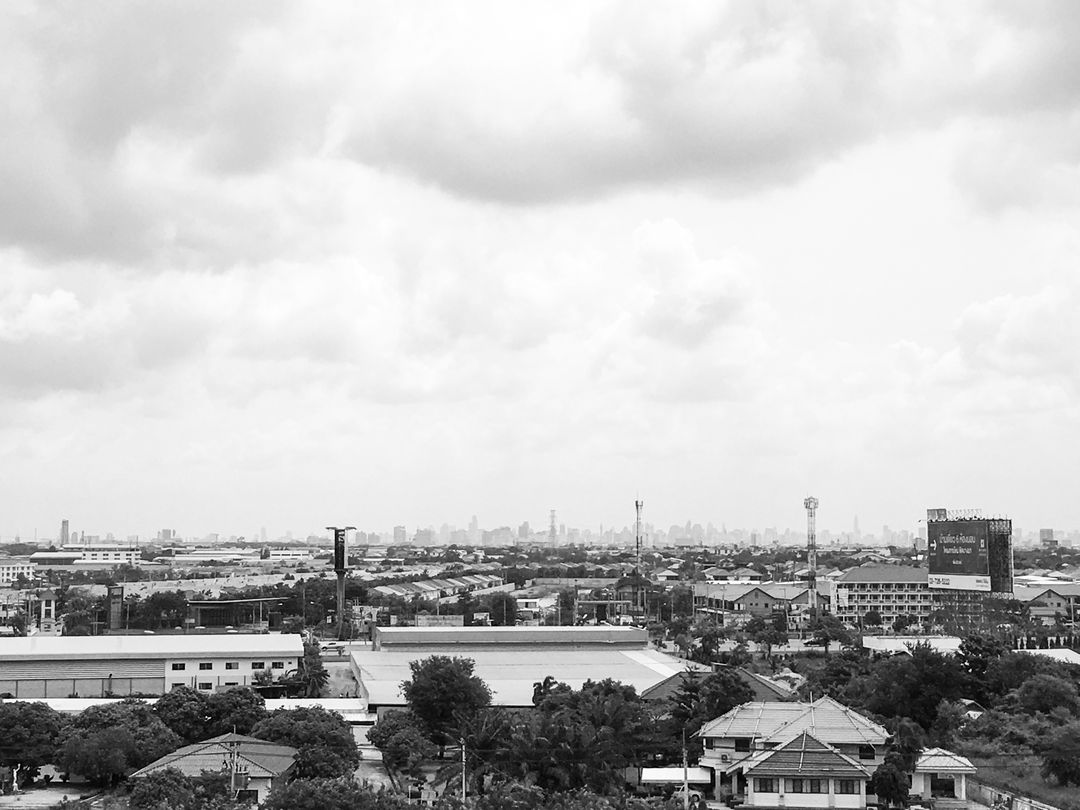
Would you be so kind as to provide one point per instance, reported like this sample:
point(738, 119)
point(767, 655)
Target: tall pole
point(811, 505)
point(638, 505)
point(685, 775)
point(462, 741)
point(341, 564)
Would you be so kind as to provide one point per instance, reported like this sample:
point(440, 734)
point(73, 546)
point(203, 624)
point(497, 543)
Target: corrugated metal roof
point(938, 760)
point(831, 722)
point(884, 573)
point(805, 755)
point(261, 758)
point(758, 719)
point(511, 672)
point(64, 648)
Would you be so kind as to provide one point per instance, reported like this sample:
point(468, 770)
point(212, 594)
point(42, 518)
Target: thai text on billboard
point(957, 553)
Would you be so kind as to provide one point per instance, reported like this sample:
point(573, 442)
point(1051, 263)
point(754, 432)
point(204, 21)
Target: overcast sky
point(302, 263)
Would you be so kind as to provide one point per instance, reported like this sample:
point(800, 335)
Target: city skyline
point(286, 265)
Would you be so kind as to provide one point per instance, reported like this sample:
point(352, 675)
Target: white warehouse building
point(120, 665)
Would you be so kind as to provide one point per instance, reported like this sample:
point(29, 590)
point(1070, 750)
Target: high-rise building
point(401, 535)
point(1047, 539)
point(65, 532)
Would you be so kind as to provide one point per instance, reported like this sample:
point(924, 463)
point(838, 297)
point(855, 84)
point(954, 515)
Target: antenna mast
point(639, 591)
point(637, 534)
point(811, 505)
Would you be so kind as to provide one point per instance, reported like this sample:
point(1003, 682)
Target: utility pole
point(462, 741)
point(685, 775)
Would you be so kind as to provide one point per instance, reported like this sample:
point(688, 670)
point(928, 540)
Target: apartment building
point(892, 590)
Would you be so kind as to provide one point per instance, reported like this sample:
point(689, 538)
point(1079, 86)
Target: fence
point(1000, 799)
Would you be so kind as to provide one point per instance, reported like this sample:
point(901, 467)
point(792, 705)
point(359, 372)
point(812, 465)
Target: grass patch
point(1023, 776)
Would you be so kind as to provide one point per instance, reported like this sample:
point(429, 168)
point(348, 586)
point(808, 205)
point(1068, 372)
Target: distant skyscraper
point(1047, 539)
point(401, 535)
point(65, 532)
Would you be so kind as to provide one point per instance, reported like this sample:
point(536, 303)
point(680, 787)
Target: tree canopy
point(343, 793)
point(30, 737)
point(324, 740)
point(443, 692)
point(107, 742)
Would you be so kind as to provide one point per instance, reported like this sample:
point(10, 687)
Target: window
point(231, 683)
point(795, 786)
point(847, 786)
point(866, 752)
point(742, 743)
point(206, 685)
point(765, 786)
point(205, 665)
point(813, 786)
point(179, 667)
point(709, 743)
point(258, 665)
point(232, 665)
point(277, 665)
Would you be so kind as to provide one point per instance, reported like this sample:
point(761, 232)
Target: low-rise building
point(805, 773)
point(255, 767)
point(894, 591)
point(735, 744)
point(102, 666)
point(11, 568)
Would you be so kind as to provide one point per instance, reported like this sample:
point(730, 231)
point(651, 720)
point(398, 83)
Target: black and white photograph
point(478, 405)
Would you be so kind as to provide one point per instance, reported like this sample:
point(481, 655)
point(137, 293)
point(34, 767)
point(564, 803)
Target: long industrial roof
point(65, 648)
point(512, 672)
point(502, 637)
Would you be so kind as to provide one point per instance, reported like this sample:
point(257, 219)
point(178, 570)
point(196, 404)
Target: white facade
point(105, 552)
point(782, 793)
point(12, 567)
point(95, 666)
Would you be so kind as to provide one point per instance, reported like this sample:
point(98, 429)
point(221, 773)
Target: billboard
point(969, 554)
point(340, 550)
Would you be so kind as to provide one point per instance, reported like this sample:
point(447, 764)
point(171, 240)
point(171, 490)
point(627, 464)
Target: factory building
point(119, 665)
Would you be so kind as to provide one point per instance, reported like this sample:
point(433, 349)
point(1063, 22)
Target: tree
point(890, 783)
point(872, 618)
point(196, 716)
point(107, 742)
point(582, 738)
point(238, 709)
point(975, 655)
point(312, 672)
point(502, 607)
point(186, 711)
point(30, 737)
point(566, 600)
point(911, 685)
point(1060, 754)
point(167, 788)
point(682, 600)
point(400, 737)
point(442, 692)
point(331, 794)
point(700, 698)
point(826, 628)
point(1044, 693)
point(766, 634)
point(324, 741)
